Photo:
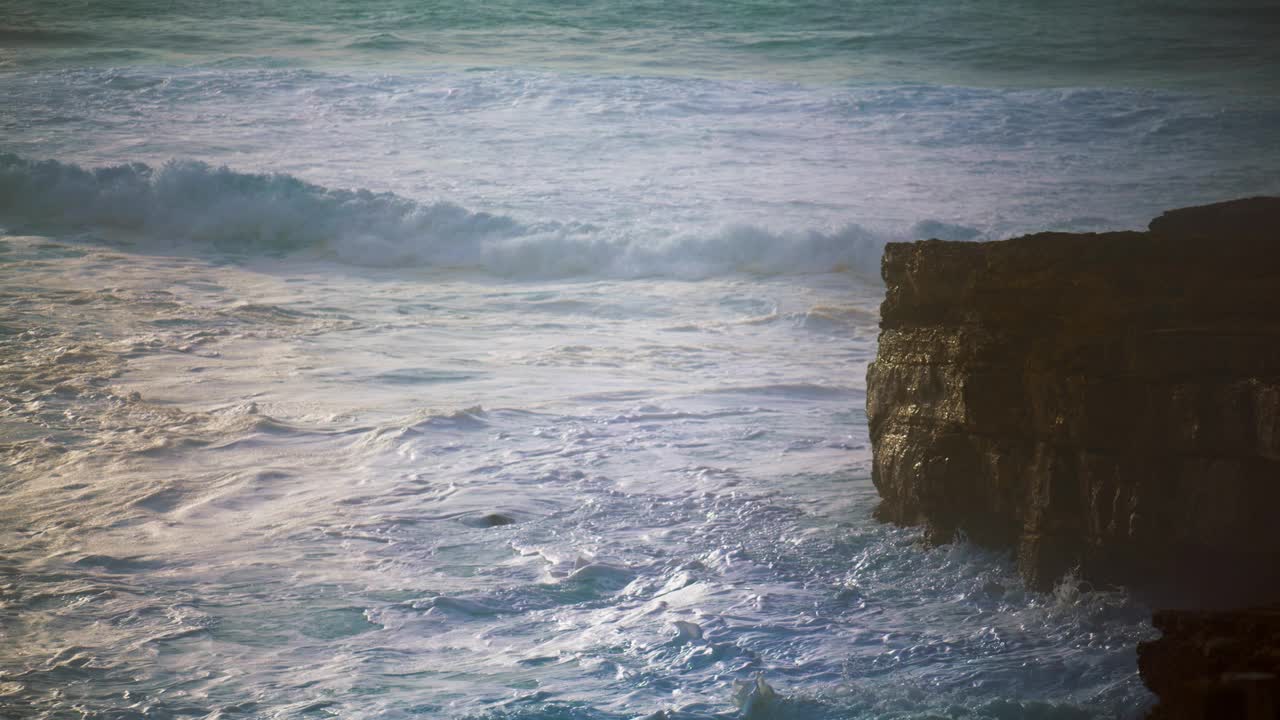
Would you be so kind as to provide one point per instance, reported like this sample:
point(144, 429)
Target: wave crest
point(215, 207)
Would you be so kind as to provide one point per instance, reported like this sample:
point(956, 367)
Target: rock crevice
point(1108, 402)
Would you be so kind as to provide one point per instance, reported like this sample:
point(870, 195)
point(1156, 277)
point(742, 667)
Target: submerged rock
point(686, 632)
point(753, 697)
point(493, 520)
point(1107, 404)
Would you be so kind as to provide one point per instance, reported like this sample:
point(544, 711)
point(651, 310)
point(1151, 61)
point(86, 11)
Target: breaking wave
point(190, 202)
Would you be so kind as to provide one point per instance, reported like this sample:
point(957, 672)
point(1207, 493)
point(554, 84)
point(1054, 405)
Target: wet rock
point(1218, 664)
point(993, 589)
point(686, 632)
point(496, 519)
point(754, 697)
point(1103, 401)
point(1107, 403)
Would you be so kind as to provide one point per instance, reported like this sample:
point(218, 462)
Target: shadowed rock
point(1219, 664)
point(496, 519)
point(1107, 403)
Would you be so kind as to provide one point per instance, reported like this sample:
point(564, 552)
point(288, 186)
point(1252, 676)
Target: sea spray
point(204, 207)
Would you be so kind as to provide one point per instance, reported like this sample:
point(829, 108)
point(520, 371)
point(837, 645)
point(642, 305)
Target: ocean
point(396, 359)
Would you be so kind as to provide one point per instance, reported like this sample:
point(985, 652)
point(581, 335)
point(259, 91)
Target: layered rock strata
point(1102, 402)
point(1107, 404)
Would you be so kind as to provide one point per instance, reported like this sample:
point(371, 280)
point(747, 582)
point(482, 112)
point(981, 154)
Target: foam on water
point(190, 202)
point(208, 519)
point(605, 170)
point(391, 360)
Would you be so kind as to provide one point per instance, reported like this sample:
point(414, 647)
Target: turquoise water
point(1221, 46)
point(506, 360)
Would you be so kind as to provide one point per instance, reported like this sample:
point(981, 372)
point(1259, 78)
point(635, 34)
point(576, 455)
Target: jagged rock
point(1108, 402)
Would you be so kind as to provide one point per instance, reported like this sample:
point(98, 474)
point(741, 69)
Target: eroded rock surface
point(1108, 402)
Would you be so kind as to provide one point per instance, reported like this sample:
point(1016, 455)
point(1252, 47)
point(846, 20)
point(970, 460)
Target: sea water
point(506, 360)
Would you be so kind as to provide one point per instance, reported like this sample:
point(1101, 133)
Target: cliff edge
point(1101, 403)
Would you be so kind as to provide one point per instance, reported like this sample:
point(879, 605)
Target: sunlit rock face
point(1107, 402)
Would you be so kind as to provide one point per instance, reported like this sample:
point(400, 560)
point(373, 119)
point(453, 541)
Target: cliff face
point(1217, 665)
point(1106, 401)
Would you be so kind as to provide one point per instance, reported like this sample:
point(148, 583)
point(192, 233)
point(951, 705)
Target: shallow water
point(381, 361)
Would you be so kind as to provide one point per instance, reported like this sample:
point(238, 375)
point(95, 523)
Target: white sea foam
point(190, 202)
point(544, 531)
point(534, 174)
point(334, 477)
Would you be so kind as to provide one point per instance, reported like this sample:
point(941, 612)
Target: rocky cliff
point(1106, 403)
point(1217, 665)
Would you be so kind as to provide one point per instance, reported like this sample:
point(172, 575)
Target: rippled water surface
point(290, 488)
point(390, 360)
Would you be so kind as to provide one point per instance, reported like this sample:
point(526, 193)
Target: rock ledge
point(1108, 404)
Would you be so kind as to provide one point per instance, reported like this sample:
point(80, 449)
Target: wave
point(381, 41)
point(190, 202)
point(39, 37)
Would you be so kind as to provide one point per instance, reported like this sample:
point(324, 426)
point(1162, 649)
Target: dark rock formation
point(489, 520)
point(1108, 403)
point(1214, 664)
point(496, 520)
